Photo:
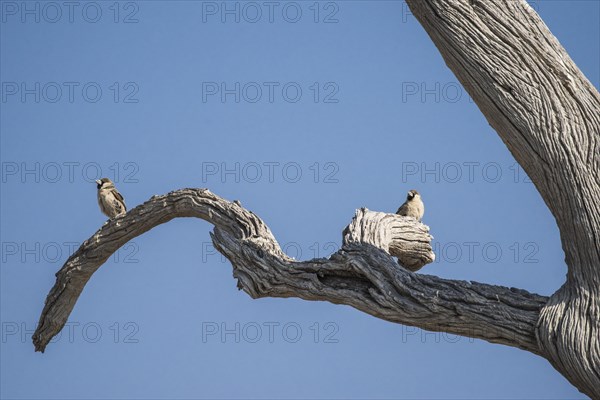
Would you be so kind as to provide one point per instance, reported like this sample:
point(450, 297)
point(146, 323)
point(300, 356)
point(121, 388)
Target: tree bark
point(548, 115)
point(361, 274)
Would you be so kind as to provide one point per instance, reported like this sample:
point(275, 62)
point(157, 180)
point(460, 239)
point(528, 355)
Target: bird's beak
point(98, 181)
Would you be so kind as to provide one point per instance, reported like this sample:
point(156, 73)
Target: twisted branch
point(361, 274)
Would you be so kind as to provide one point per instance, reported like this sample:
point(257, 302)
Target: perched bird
point(109, 199)
point(413, 206)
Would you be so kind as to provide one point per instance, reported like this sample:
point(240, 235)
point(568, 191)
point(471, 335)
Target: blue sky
point(303, 122)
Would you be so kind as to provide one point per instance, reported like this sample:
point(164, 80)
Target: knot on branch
point(259, 264)
point(403, 237)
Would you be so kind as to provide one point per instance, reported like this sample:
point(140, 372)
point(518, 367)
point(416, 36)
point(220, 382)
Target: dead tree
point(548, 115)
point(545, 111)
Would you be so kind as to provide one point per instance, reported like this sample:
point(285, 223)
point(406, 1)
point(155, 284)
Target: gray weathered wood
point(360, 275)
point(399, 236)
point(548, 115)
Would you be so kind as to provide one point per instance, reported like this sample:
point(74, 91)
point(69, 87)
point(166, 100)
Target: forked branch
point(548, 114)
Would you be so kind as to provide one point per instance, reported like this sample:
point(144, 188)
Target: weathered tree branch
point(362, 274)
point(548, 115)
point(399, 236)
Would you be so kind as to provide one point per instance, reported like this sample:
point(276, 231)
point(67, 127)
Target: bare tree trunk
point(545, 111)
point(548, 115)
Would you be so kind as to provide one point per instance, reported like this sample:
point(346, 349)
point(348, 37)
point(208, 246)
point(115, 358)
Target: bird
point(111, 202)
point(413, 206)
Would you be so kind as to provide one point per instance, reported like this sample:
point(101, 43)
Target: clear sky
point(304, 111)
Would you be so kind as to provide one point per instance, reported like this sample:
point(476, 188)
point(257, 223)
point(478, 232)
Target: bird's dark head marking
point(412, 194)
point(103, 182)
